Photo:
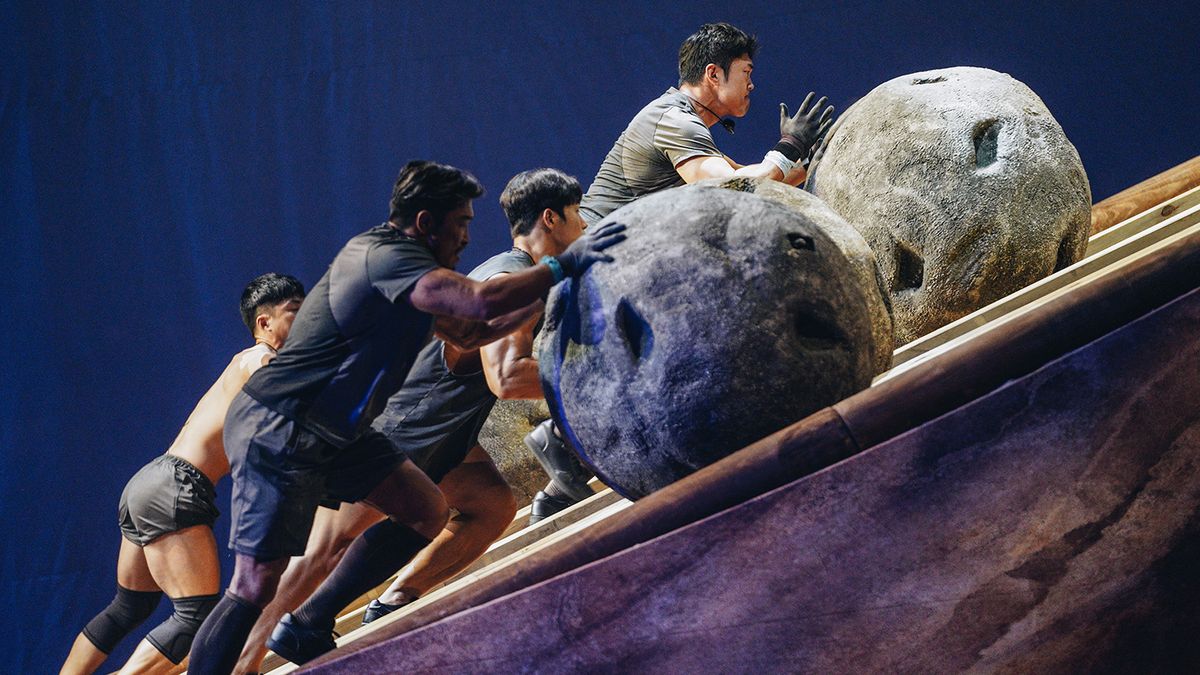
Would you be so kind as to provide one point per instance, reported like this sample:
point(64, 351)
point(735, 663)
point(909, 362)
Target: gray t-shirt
point(665, 133)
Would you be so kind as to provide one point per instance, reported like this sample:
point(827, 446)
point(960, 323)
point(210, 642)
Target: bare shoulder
point(245, 363)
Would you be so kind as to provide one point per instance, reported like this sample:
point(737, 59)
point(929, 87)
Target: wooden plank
point(1145, 194)
point(350, 625)
point(529, 535)
point(513, 544)
point(1146, 219)
point(521, 520)
point(1039, 289)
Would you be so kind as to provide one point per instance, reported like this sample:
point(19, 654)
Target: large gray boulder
point(723, 318)
point(964, 185)
point(851, 244)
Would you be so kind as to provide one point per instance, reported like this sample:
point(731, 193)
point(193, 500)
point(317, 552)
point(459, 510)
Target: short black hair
point(268, 290)
point(531, 192)
point(718, 43)
point(429, 186)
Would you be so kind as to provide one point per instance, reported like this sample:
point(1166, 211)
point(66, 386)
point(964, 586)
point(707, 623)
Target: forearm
point(468, 335)
point(507, 293)
point(760, 170)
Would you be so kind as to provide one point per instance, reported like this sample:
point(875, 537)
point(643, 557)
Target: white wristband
point(777, 158)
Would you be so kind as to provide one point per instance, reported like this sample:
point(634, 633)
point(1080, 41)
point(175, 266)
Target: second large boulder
point(964, 185)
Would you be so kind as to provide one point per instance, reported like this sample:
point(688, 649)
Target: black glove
point(587, 249)
point(800, 133)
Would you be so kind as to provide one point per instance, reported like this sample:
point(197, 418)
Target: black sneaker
point(377, 609)
point(559, 461)
point(544, 506)
point(297, 642)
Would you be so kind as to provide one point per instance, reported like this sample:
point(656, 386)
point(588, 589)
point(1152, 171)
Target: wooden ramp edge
point(1051, 525)
point(519, 537)
point(1044, 332)
point(1142, 196)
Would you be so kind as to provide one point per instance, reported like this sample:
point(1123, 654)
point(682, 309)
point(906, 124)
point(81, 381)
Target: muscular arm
point(509, 366)
point(465, 334)
point(446, 293)
point(699, 168)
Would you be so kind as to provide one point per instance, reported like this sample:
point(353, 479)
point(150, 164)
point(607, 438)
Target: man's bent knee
point(255, 581)
point(495, 505)
point(429, 521)
point(173, 637)
point(127, 611)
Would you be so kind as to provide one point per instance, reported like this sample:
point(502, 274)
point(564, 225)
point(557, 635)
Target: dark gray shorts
point(443, 456)
point(165, 496)
point(281, 471)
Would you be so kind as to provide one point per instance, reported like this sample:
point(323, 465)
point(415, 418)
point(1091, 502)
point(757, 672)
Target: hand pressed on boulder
point(802, 131)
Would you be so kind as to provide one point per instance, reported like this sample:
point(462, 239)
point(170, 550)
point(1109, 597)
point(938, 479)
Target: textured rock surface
point(1052, 526)
point(963, 184)
point(852, 245)
point(723, 318)
point(502, 436)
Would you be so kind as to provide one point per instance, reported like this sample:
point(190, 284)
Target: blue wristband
point(555, 267)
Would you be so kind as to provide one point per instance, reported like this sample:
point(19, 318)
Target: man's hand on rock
point(800, 133)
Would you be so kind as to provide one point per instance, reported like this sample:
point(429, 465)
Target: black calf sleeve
point(219, 642)
point(370, 560)
point(173, 637)
point(127, 610)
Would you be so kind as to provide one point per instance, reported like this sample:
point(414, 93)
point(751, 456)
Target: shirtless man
point(435, 418)
point(167, 510)
point(299, 433)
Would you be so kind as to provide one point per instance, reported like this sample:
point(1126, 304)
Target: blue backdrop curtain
point(154, 156)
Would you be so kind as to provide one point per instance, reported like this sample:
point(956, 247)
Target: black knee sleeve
point(127, 610)
point(173, 637)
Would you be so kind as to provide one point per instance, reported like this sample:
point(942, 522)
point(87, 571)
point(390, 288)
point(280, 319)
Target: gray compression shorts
point(165, 496)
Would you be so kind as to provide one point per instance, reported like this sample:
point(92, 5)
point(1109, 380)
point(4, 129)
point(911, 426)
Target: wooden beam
point(522, 540)
point(1144, 220)
point(1145, 195)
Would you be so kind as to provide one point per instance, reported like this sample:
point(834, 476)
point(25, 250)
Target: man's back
point(662, 135)
point(199, 441)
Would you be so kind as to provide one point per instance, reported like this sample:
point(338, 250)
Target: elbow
point(504, 386)
point(507, 393)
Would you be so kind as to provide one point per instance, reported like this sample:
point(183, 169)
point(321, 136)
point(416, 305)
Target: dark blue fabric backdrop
point(155, 156)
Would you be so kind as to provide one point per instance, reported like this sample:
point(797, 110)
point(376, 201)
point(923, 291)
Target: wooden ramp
point(1049, 526)
point(1123, 262)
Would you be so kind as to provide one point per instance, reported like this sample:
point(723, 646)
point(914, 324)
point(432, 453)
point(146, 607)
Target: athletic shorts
point(281, 471)
point(165, 496)
point(441, 457)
